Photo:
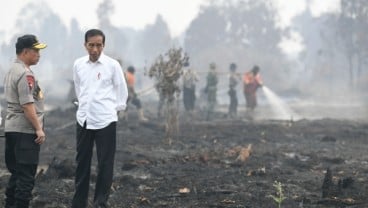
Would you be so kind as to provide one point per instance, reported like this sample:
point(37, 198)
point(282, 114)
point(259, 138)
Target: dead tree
point(167, 70)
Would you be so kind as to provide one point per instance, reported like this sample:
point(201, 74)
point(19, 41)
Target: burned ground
point(201, 168)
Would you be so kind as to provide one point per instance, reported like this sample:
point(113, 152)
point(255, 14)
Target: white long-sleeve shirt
point(101, 90)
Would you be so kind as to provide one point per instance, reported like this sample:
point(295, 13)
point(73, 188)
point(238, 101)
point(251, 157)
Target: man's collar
point(100, 59)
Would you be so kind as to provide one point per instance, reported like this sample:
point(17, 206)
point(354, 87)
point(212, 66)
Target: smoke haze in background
point(301, 46)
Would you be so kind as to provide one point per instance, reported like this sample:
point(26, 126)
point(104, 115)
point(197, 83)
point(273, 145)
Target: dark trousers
point(189, 98)
point(251, 101)
point(105, 140)
point(21, 158)
point(136, 102)
point(133, 98)
point(233, 107)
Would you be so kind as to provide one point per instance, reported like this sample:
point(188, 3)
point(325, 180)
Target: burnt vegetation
point(320, 160)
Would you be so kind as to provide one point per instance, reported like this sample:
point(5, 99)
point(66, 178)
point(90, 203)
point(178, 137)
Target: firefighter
point(233, 82)
point(252, 81)
point(189, 86)
point(133, 97)
point(211, 89)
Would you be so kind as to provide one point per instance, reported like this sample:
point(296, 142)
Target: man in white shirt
point(101, 91)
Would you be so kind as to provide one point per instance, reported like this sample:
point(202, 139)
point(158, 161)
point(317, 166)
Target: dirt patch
point(201, 169)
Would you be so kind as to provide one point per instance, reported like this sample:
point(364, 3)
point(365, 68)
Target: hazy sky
point(137, 13)
point(132, 13)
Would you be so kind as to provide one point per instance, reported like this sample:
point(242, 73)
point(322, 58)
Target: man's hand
point(30, 113)
point(41, 137)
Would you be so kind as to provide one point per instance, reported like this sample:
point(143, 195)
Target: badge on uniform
point(40, 95)
point(30, 81)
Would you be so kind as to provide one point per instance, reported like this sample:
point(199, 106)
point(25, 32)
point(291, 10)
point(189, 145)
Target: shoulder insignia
point(30, 81)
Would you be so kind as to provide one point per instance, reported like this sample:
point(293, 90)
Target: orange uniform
point(249, 78)
point(133, 98)
point(251, 84)
point(130, 78)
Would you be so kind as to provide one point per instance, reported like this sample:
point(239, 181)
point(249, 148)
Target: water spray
point(280, 109)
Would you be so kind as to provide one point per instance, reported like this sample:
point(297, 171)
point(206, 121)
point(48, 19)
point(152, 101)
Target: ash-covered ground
point(207, 164)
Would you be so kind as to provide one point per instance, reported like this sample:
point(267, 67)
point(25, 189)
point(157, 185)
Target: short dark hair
point(94, 32)
point(131, 69)
point(232, 66)
point(255, 69)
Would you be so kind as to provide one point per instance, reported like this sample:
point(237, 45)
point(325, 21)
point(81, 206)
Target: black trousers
point(233, 107)
point(105, 140)
point(136, 102)
point(21, 158)
point(189, 98)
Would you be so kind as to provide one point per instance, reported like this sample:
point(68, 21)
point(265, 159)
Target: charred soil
point(219, 163)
